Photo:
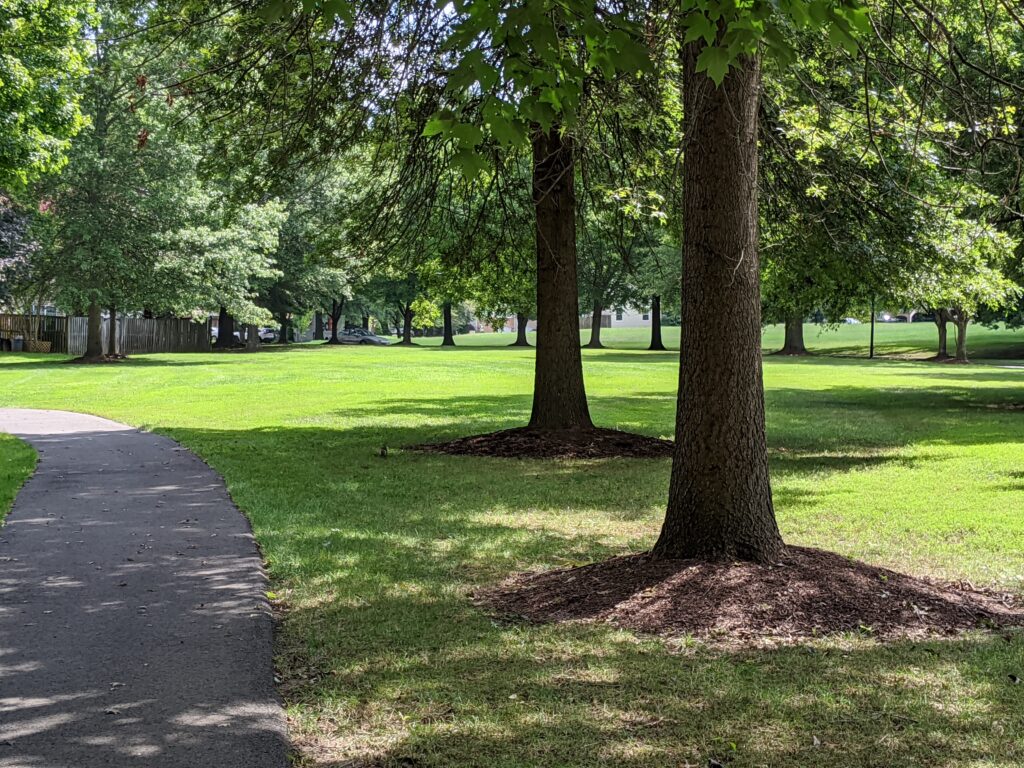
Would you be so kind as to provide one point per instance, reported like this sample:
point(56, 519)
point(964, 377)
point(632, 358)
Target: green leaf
point(470, 163)
point(699, 26)
point(715, 61)
point(273, 10)
point(437, 125)
point(467, 134)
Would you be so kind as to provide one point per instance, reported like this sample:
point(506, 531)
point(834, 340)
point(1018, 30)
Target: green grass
point(16, 462)
point(901, 340)
point(915, 466)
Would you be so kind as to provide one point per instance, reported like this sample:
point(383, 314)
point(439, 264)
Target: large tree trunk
point(366, 322)
point(407, 315)
point(595, 327)
point(112, 332)
point(657, 345)
point(449, 332)
point(720, 499)
point(337, 310)
point(522, 321)
point(960, 319)
point(318, 326)
point(794, 341)
point(559, 396)
point(94, 334)
point(252, 338)
point(225, 330)
point(941, 321)
point(282, 321)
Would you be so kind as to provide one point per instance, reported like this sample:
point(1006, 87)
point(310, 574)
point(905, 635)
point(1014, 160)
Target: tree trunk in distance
point(225, 330)
point(941, 320)
point(337, 310)
point(407, 314)
point(282, 320)
point(112, 332)
point(318, 326)
point(522, 321)
point(794, 342)
point(94, 334)
point(657, 345)
point(449, 332)
point(720, 500)
point(366, 322)
point(960, 320)
point(559, 395)
point(595, 328)
point(252, 338)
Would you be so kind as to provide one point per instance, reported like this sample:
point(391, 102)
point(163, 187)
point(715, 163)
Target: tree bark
point(960, 319)
point(559, 395)
point(94, 334)
point(318, 326)
point(657, 345)
point(225, 330)
point(522, 321)
point(794, 341)
point(337, 310)
point(366, 322)
point(252, 338)
point(449, 332)
point(112, 332)
point(720, 500)
point(407, 315)
point(941, 320)
point(282, 320)
point(595, 327)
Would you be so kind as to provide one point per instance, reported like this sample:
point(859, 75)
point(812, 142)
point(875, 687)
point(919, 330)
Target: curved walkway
point(134, 628)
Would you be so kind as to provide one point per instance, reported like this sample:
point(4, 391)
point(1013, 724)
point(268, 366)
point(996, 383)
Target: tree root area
point(531, 443)
point(96, 360)
point(809, 594)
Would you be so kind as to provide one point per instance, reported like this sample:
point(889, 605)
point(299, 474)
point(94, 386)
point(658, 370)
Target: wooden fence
point(139, 335)
point(41, 327)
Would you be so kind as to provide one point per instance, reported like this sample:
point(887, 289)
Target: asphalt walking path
point(134, 625)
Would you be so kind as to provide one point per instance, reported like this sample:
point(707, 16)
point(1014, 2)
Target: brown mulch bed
point(528, 443)
point(811, 593)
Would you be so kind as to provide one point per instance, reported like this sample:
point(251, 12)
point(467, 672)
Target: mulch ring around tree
point(97, 360)
point(530, 443)
point(810, 594)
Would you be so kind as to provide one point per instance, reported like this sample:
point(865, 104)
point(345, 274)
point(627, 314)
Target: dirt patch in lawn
point(809, 594)
point(528, 443)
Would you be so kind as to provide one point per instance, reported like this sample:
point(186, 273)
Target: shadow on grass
point(387, 662)
point(631, 704)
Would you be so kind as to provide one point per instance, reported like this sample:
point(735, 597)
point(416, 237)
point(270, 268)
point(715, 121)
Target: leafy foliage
point(41, 65)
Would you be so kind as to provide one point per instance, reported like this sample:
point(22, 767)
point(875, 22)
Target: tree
point(720, 503)
point(119, 192)
point(433, 73)
point(41, 70)
point(306, 276)
point(964, 277)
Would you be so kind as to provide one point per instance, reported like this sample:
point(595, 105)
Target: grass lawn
point(16, 462)
point(901, 340)
point(914, 466)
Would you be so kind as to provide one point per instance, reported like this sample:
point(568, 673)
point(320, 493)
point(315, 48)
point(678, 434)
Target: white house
point(619, 318)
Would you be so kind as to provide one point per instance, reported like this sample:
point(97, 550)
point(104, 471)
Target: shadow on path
point(134, 627)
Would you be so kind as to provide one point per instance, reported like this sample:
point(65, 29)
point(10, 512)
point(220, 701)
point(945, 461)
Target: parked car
point(361, 336)
point(851, 321)
point(267, 335)
point(214, 334)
